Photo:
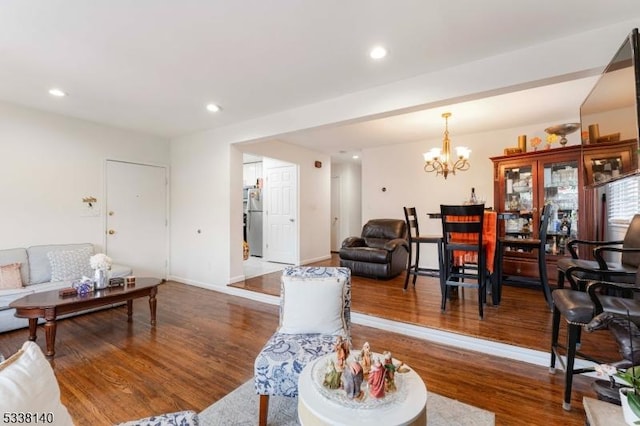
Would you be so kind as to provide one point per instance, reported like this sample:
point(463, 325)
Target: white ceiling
point(152, 65)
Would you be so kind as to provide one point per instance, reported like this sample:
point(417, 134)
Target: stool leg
point(560, 283)
point(409, 265)
point(415, 276)
point(555, 331)
point(444, 275)
point(542, 270)
point(568, 374)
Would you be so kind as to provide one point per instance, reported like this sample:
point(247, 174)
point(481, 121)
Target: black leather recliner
point(380, 252)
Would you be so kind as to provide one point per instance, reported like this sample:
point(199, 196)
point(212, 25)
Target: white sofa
point(38, 265)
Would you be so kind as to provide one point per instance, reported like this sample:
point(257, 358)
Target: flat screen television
point(611, 111)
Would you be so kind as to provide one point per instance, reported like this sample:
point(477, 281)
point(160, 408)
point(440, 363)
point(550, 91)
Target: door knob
point(292, 220)
point(111, 232)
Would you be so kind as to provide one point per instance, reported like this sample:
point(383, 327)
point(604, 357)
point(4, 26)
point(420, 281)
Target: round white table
point(315, 408)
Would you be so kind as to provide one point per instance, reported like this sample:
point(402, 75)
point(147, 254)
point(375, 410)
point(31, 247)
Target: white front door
point(281, 195)
point(136, 218)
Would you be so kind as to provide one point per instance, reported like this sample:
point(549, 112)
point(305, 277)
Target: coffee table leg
point(152, 304)
point(50, 334)
point(33, 326)
point(130, 310)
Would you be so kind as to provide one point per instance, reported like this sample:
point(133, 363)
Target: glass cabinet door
point(561, 199)
point(519, 191)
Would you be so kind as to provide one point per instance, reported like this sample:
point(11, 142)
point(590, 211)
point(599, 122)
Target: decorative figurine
point(352, 380)
point(376, 379)
point(390, 369)
point(365, 358)
point(342, 352)
point(331, 377)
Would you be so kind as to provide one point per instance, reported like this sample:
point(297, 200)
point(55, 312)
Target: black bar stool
point(577, 309)
point(415, 239)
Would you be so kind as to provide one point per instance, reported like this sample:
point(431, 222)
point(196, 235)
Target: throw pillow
point(10, 276)
point(28, 385)
point(69, 265)
point(313, 305)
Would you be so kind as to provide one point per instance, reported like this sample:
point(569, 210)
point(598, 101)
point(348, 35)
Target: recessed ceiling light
point(355, 157)
point(213, 108)
point(57, 92)
point(378, 52)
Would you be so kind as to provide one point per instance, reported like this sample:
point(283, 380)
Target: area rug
point(240, 407)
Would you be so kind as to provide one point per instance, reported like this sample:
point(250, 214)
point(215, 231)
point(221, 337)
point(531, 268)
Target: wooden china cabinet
point(556, 178)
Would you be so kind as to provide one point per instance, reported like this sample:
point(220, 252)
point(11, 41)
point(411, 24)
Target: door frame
point(167, 203)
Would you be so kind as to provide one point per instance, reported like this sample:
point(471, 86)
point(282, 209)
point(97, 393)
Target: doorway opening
point(269, 214)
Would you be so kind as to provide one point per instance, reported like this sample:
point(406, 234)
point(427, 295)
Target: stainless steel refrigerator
point(254, 222)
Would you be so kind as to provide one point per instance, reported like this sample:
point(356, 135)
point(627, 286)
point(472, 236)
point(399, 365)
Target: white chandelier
point(441, 161)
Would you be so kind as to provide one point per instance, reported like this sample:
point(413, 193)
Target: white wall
point(49, 163)
point(206, 196)
point(201, 209)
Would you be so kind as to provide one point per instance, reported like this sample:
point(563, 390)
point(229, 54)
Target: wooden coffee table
point(50, 305)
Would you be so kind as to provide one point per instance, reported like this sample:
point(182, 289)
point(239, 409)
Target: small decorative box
point(116, 282)
point(511, 151)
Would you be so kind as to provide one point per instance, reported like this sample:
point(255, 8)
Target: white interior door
point(335, 214)
point(281, 228)
point(136, 218)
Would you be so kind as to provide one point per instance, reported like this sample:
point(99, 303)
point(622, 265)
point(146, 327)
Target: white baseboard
point(315, 259)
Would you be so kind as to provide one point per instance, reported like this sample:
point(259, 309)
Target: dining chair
point(533, 245)
point(315, 311)
point(576, 269)
point(463, 261)
point(415, 239)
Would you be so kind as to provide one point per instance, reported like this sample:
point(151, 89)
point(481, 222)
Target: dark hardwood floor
point(205, 342)
point(522, 318)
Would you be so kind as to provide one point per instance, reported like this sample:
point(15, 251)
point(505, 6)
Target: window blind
point(623, 200)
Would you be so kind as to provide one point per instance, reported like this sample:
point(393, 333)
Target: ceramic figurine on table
point(390, 371)
point(365, 358)
point(331, 377)
point(352, 380)
point(342, 352)
point(376, 379)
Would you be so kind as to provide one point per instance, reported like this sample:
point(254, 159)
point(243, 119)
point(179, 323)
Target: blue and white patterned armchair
point(315, 308)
